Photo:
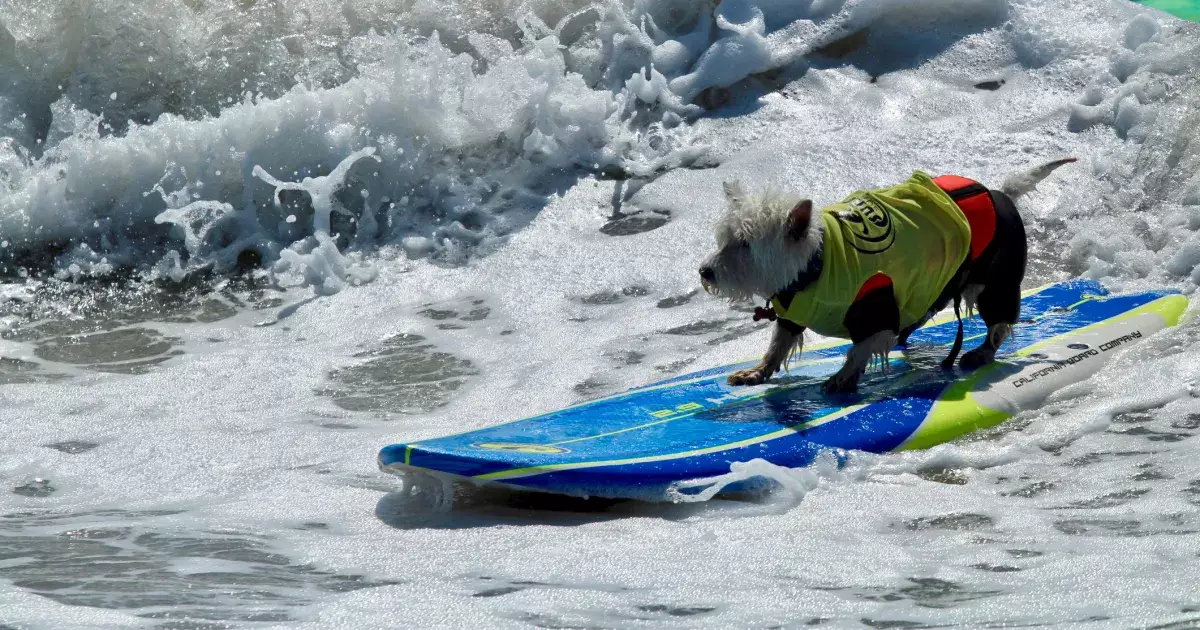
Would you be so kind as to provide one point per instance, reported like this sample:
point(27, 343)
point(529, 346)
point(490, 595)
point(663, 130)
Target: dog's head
point(763, 243)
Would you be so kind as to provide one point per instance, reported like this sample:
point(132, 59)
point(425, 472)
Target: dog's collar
point(807, 276)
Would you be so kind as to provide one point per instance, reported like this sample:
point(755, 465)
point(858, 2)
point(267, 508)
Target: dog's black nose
point(707, 274)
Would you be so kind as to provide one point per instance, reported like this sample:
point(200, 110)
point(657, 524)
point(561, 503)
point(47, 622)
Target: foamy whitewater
point(245, 244)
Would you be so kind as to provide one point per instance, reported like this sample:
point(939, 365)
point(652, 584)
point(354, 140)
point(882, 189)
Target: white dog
point(875, 266)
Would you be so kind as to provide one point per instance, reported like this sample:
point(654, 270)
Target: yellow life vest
point(913, 233)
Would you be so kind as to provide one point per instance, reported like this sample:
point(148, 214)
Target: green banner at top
point(1186, 9)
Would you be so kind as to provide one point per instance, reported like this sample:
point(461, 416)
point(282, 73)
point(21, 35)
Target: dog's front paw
point(839, 384)
point(976, 358)
point(752, 376)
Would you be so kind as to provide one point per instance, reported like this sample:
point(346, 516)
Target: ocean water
point(246, 243)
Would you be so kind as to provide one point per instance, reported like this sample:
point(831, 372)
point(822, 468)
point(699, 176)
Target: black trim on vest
point(874, 312)
point(966, 191)
point(806, 277)
point(790, 326)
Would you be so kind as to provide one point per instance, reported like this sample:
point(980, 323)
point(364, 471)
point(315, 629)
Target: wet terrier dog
point(874, 267)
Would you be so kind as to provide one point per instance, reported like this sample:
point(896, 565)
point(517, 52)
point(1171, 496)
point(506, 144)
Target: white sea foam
point(467, 144)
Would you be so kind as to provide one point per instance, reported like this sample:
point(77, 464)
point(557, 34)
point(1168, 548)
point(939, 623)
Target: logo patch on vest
point(867, 226)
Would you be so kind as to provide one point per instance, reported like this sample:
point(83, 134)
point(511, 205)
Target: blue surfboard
point(648, 442)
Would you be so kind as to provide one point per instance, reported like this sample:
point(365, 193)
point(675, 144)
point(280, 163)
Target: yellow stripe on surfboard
point(549, 468)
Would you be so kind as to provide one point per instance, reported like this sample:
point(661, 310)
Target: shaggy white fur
point(775, 257)
point(970, 298)
point(875, 347)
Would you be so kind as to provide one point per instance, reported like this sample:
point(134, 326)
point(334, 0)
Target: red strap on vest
point(877, 281)
point(952, 183)
point(976, 204)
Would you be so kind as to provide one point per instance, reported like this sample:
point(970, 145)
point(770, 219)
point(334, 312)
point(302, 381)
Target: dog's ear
point(799, 218)
point(733, 192)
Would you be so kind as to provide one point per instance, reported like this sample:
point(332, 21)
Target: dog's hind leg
point(999, 301)
point(999, 307)
point(786, 340)
point(986, 352)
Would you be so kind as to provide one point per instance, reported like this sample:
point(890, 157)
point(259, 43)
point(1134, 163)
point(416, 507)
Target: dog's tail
point(1024, 183)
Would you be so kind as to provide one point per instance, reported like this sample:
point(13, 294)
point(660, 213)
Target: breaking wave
point(303, 135)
